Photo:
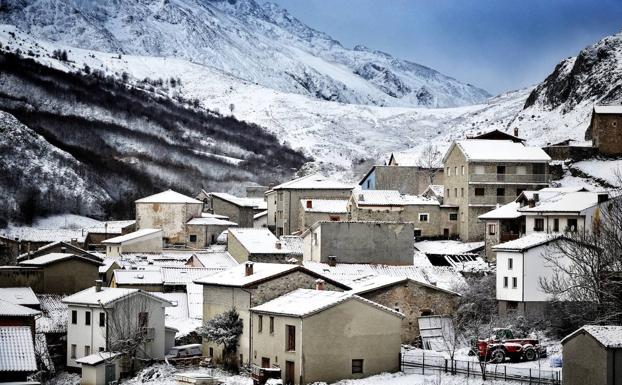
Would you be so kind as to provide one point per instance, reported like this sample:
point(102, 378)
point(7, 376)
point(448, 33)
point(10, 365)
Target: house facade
point(204, 231)
point(605, 128)
point(239, 210)
point(55, 267)
point(315, 210)
point(405, 179)
point(258, 245)
point(139, 241)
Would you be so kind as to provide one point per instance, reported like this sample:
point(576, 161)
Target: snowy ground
point(605, 169)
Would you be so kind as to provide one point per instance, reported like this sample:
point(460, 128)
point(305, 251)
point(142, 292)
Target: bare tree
point(430, 161)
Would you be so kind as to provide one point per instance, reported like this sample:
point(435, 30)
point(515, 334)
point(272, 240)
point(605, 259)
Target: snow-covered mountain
point(262, 44)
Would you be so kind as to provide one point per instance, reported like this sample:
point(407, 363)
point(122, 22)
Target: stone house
point(389, 243)
point(405, 179)
point(251, 284)
point(204, 197)
point(593, 355)
point(258, 245)
point(58, 247)
point(605, 129)
point(315, 210)
point(168, 211)
point(107, 230)
point(283, 201)
point(407, 296)
point(290, 332)
point(139, 241)
point(204, 231)
point(20, 240)
point(94, 312)
point(17, 356)
point(482, 173)
point(239, 210)
point(55, 268)
point(570, 149)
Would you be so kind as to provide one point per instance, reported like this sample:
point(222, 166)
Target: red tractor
point(502, 345)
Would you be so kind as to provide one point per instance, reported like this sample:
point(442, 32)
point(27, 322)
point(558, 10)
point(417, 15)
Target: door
point(265, 362)
point(446, 233)
point(289, 373)
point(110, 374)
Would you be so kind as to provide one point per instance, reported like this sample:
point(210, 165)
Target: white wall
point(509, 293)
point(82, 335)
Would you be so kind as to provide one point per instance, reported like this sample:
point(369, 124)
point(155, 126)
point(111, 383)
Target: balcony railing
point(510, 178)
point(491, 199)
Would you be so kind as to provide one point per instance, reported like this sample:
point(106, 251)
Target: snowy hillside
point(262, 44)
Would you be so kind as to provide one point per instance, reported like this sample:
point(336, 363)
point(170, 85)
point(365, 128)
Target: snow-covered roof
point(96, 358)
point(527, 242)
point(405, 159)
point(306, 302)
point(211, 222)
point(498, 151)
point(573, 202)
point(137, 277)
point(236, 276)
point(19, 295)
point(293, 243)
point(132, 236)
point(105, 296)
point(34, 234)
point(260, 214)
point(112, 227)
point(53, 314)
point(313, 182)
point(256, 203)
point(374, 282)
point(435, 189)
point(210, 215)
point(18, 350)
point(331, 206)
point(59, 244)
point(257, 241)
point(610, 336)
point(507, 211)
point(216, 259)
point(11, 309)
point(611, 109)
point(183, 275)
point(50, 258)
point(168, 196)
point(179, 310)
point(448, 247)
point(390, 198)
point(107, 264)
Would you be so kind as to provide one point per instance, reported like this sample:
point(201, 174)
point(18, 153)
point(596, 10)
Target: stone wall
point(170, 217)
point(243, 216)
point(607, 133)
point(274, 288)
point(19, 276)
point(429, 228)
point(206, 234)
point(406, 180)
point(288, 203)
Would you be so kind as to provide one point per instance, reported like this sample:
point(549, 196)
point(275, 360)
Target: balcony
point(509, 178)
point(491, 199)
point(508, 236)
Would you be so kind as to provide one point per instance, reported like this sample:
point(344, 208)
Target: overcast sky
point(498, 45)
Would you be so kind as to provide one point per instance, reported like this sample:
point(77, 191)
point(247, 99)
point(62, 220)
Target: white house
point(94, 314)
point(140, 241)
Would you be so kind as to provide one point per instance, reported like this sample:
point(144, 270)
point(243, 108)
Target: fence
point(421, 363)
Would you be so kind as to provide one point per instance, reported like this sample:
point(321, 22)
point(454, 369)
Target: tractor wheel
point(497, 356)
point(530, 354)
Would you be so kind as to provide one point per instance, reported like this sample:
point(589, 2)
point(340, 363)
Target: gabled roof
point(313, 182)
point(107, 264)
point(215, 259)
point(19, 295)
point(293, 243)
point(364, 178)
point(405, 159)
point(483, 150)
point(306, 302)
point(330, 206)
point(260, 214)
point(18, 351)
point(507, 211)
point(106, 296)
point(9, 309)
point(68, 247)
point(168, 196)
point(435, 189)
point(262, 272)
point(390, 198)
point(257, 241)
point(611, 109)
point(497, 134)
point(571, 202)
point(48, 259)
point(449, 247)
point(185, 274)
point(375, 282)
point(132, 236)
point(256, 203)
point(96, 358)
point(210, 221)
point(112, 227)
point(137, 277)
point(609, 336)
point(527, 242)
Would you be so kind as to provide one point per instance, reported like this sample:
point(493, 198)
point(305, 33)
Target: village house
point(204, 231)
point(239, 210)
point(12, 314)
point(142, 241)
point(429, 217)
point(23, 240)
point(315, 210)
point(58, 247)
point(604, 129)
point(497, 135)
point(100, 368)
point(481, 173)
point(570, 149)
point(107, 230)
point(260, 220)
point(55, 268)
point(593, 355)
point(283, 201)
point(258, 245)
point(251, 284)
point(407, 296)
point(17, 356)
point(211, 259)
point(389, 243)
point(291, 332)
point(204, 197)
point(23, 296)
point(97, 313)
point(168, 211)
point(106, 271)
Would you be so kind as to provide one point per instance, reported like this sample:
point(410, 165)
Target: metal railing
point(509, 178)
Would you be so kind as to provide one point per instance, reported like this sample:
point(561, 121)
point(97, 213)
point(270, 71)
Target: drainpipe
point(250, 327)
point(302, 358)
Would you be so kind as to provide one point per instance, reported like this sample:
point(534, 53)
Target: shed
point(100, 368)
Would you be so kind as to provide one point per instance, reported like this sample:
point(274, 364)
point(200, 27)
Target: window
point(102, 319)
point(101, 349)
point(73, 351)
point(334, 218)
point(448, 171)
point(538, 224)
point(510, 263)
point(453, 216)
point(241, 358)
point(87, 318)
point(456, 192)
point(500, 169)
point(479, 191)
point(505, 281)
point(514, 282)
point(260, 324)
point(315, 239)
point(492, 229)
point(572, 224)
point(271, 325)
point(211, 352)
point(423, 217)
point(456, 170)
point(193, 238)
point(74, 317)
point(462, 192)
point(447, 193)
point(538, 168)
point(290, 338)
point(556, 224)
point(500, 192)
point(462, 167)
point(417, 232)
point(87, 350)
point(143, 319)
point(357, 366)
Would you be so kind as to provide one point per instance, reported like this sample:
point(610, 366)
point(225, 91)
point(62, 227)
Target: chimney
point(332, 261)
point(98, 285)
point(603, 197)
point(309, 204)
point(278, 245)
point(63, 249)
point(320, 284)
point(532, 203)
point(536, 197)
point(248, 268)
point(361, 198)
point(515, 131)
